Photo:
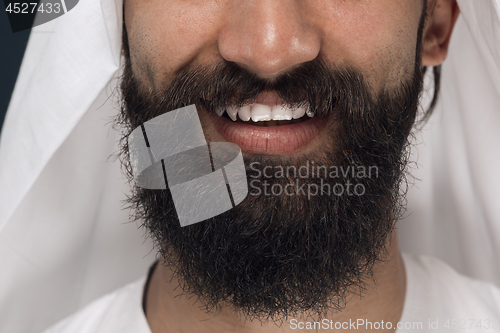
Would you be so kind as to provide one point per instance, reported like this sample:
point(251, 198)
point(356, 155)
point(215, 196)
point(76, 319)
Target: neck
point(381, 301)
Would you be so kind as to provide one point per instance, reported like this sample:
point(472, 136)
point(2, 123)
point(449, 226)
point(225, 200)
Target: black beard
point(276, 256)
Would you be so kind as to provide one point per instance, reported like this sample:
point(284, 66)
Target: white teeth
point(219, 111)
point(282, 112)
point(245, 113)
point(232, 112)
point(299, 112)
point(261, 112)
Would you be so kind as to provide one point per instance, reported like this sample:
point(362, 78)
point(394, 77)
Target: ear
point(442, 17)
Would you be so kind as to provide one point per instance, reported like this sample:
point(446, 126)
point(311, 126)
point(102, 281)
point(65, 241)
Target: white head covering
point(454, 211)
point(64, 239)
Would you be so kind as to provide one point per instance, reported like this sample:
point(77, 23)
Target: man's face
point(269, 37)
point(355, 65)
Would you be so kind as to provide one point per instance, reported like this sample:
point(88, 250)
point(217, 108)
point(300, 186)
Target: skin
point(269, 37)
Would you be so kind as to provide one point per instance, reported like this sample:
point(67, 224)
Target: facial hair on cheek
point(275, 256)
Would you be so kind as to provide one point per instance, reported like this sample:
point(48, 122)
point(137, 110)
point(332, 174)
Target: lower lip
point(269, 140)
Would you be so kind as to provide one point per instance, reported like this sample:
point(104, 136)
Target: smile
point(264, 113)
point(268, 126)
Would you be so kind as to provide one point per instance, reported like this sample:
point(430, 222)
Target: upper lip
point(269, 98)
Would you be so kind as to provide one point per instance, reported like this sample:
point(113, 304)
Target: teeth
point(245, 113)
point(232, 112)
point(219, 111)
point(299, 112)
point(281, 112)
point(260, 112)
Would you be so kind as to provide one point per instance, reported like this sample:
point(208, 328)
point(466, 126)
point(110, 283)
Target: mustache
point(314, 84)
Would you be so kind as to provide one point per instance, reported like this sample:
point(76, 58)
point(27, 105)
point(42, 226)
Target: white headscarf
point(64, 238)
point(454, 210)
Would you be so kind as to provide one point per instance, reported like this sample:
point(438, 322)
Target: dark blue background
point(12, 46)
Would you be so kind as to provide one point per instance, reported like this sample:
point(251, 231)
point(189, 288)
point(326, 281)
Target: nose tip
point(268, 38)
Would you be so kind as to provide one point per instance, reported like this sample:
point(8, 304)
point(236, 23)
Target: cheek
point(379, 41)
point(165, 36)
point(376, 36)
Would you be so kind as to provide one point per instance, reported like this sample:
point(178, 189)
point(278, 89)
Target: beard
point(275, 256)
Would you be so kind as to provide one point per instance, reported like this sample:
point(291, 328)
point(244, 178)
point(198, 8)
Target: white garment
point(117, 312)
point(454, 206)
point(435, 294)
point(64, 240)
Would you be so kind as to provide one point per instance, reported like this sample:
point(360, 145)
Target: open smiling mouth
point(264, 115)
point(268, 126)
